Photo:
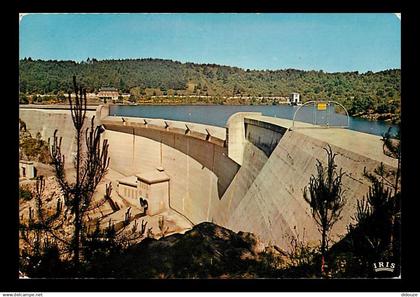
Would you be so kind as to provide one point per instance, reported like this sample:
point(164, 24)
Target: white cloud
point(398, 15)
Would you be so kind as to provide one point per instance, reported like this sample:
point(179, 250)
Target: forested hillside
point(361, 93)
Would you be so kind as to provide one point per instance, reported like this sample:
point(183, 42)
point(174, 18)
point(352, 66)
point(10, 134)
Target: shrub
point(25, 194)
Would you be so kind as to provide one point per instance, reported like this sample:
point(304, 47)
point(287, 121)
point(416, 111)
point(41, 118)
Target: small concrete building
point(294, 98)
point(27, 169)
point(108, 94)
point(127, 188)
point(154, 187)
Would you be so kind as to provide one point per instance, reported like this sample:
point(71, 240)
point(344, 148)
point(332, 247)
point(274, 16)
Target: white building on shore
point(294, 98)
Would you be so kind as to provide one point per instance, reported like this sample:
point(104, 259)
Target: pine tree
point(91, 165)
point(325, 197)
point(40, 233)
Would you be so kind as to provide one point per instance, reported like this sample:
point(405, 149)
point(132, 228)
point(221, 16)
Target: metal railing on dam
point(212, 134)
point(54, 106)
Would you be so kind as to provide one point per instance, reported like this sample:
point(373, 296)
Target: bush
point(36, 149)
point(23, 99)
point(25, 194)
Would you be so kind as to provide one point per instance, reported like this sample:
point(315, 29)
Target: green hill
point(361, 93)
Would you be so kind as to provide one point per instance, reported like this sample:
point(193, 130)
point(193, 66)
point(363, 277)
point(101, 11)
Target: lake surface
point(217, 115)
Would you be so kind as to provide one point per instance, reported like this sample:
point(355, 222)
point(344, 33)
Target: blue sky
point(331, 42)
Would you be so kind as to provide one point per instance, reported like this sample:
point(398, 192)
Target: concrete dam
point(248, 176)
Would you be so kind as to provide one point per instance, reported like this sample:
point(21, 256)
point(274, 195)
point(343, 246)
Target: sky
point(307, 41)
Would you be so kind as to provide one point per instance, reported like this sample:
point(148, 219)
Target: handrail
point(323, 101)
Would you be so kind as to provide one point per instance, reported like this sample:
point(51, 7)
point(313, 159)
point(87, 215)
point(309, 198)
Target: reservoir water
point(217, 115)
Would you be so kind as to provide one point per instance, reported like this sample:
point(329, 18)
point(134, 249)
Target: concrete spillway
point(249, 176)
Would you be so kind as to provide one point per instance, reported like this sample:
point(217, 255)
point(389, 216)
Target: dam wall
point(274, 202)
point(198, 166)
point(46, 121)
point(263, 135)
point(253, 161)
point(247, 177)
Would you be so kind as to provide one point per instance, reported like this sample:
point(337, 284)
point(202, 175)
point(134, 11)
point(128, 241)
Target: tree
point(61, 97)
point(122, 85)
point(38, 76)
point(325, 197)
point(132, 98)
point(392, 148)
point(371, 235)
point(391, 178)
point(30, 148)
point(136, 91)
point(375, 234)
point(90, 165)
point(39, 232)
point(23, 99)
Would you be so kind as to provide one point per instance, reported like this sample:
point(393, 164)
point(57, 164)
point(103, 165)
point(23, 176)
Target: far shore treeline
point(374, 95)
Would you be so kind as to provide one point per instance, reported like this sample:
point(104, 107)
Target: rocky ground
point(206, 251)
point(100, 211)
point(174, 251)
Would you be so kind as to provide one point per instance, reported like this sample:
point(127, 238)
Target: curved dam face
point(247, 177)
point(46, 121)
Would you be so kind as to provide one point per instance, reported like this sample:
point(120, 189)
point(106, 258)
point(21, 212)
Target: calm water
point(217, 115)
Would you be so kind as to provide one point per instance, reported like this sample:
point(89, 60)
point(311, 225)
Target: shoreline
point(372, 117)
